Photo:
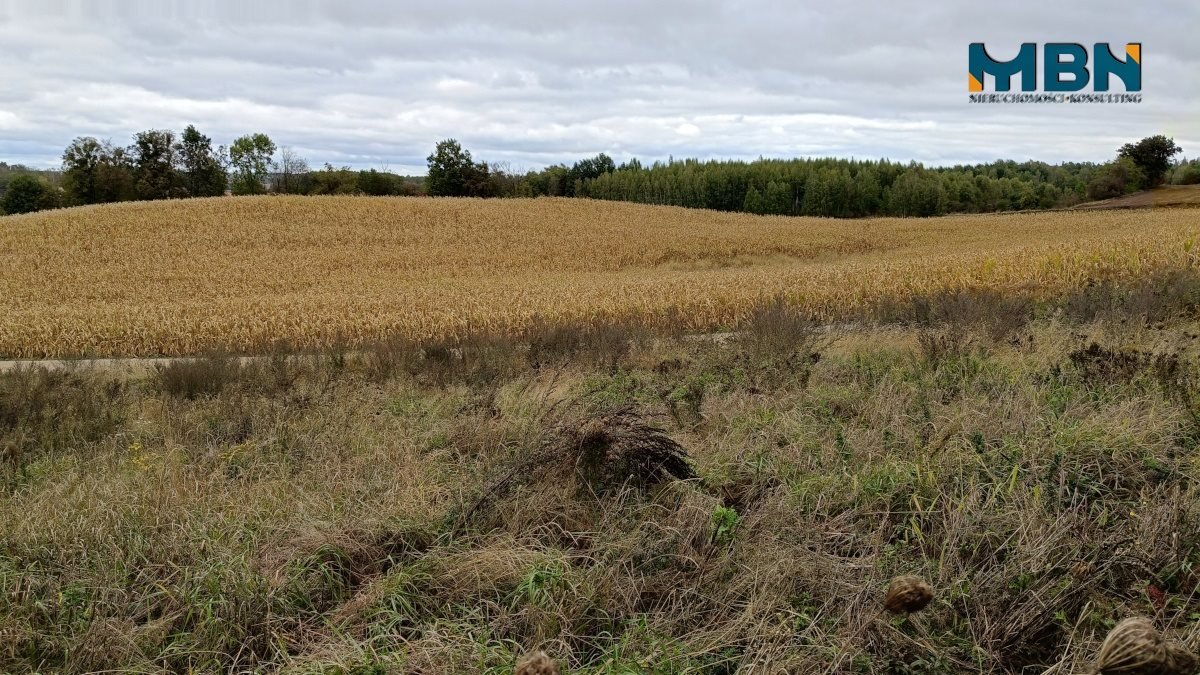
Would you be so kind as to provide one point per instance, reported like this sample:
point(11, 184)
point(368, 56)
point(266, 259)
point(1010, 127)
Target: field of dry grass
point(630, 503)
point(245, 274)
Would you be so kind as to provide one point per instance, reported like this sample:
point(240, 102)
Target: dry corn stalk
point(244, 274)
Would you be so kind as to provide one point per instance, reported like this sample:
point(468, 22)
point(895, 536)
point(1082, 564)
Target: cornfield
point(246, 274)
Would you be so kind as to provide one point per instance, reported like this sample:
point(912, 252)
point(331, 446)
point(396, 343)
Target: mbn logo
point(1066, 67)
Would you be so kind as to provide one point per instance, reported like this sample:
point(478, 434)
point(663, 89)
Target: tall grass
point(458, 509)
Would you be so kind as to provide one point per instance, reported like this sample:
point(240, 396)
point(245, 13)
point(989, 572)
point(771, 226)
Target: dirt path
point(131, 365)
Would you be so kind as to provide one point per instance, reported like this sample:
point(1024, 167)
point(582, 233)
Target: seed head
point(537, 663)
point(1082, 570)
point(1133, 647)
point(907, 594)
point(1179, 659)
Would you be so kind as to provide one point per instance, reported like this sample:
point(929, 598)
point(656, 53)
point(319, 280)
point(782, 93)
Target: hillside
point(181, 277)
point(1165, 196)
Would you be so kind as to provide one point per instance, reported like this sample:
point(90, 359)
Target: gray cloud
point(532, 83)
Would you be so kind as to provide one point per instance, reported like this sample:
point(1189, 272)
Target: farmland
point(248, 274)
point(482, 428)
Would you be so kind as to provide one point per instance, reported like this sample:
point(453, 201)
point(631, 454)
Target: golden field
point(244, 274)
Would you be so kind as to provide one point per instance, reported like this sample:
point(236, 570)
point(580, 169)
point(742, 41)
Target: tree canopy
point(250, 157)
point(26, 194)
point(453, 172)
point(202, 168)
point(159, 165)
point(1153, 156)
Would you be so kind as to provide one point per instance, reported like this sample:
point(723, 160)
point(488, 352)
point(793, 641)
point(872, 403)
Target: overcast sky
point(536, 83)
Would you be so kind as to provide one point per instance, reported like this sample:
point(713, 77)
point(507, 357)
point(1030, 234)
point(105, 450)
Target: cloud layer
point(534, 83)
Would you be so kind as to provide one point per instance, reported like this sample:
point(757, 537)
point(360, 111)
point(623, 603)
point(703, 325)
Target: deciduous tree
point(251, 159)
point(203, 169)
point(1153, 156)
point(155, 175)
point(25, 194)
point(96, 172)
point(453, 173)
point(292, 173)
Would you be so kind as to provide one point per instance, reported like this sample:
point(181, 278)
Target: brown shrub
point(599, 452)
point(200, 377)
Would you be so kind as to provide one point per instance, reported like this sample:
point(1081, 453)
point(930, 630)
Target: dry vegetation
point(247, 274)
point(990, 469)
point(627, 502)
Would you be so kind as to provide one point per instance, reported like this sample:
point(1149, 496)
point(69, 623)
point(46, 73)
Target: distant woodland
point(162, 164)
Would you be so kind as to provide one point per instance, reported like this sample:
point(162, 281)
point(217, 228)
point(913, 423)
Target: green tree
point(202, 169)
point(251, 159)
point(826, 187)
point(918, 192)
point(378, 183)
point(95, 172)
point(778, 198)
point(831, 192)
point(1153, 156)
point(1115, 179)
point(453, 173)
point(866, 185)
point(114, 176)
point(1188, 173)
point(154, 165)
point(25, 194)
point(548, 181)
point(820, 198)
point(81, 162)
point(334, 181)
point(586, 170)
point(753, 203)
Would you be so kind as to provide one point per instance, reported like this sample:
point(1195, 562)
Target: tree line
point(160, 164)
point(823, 187)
